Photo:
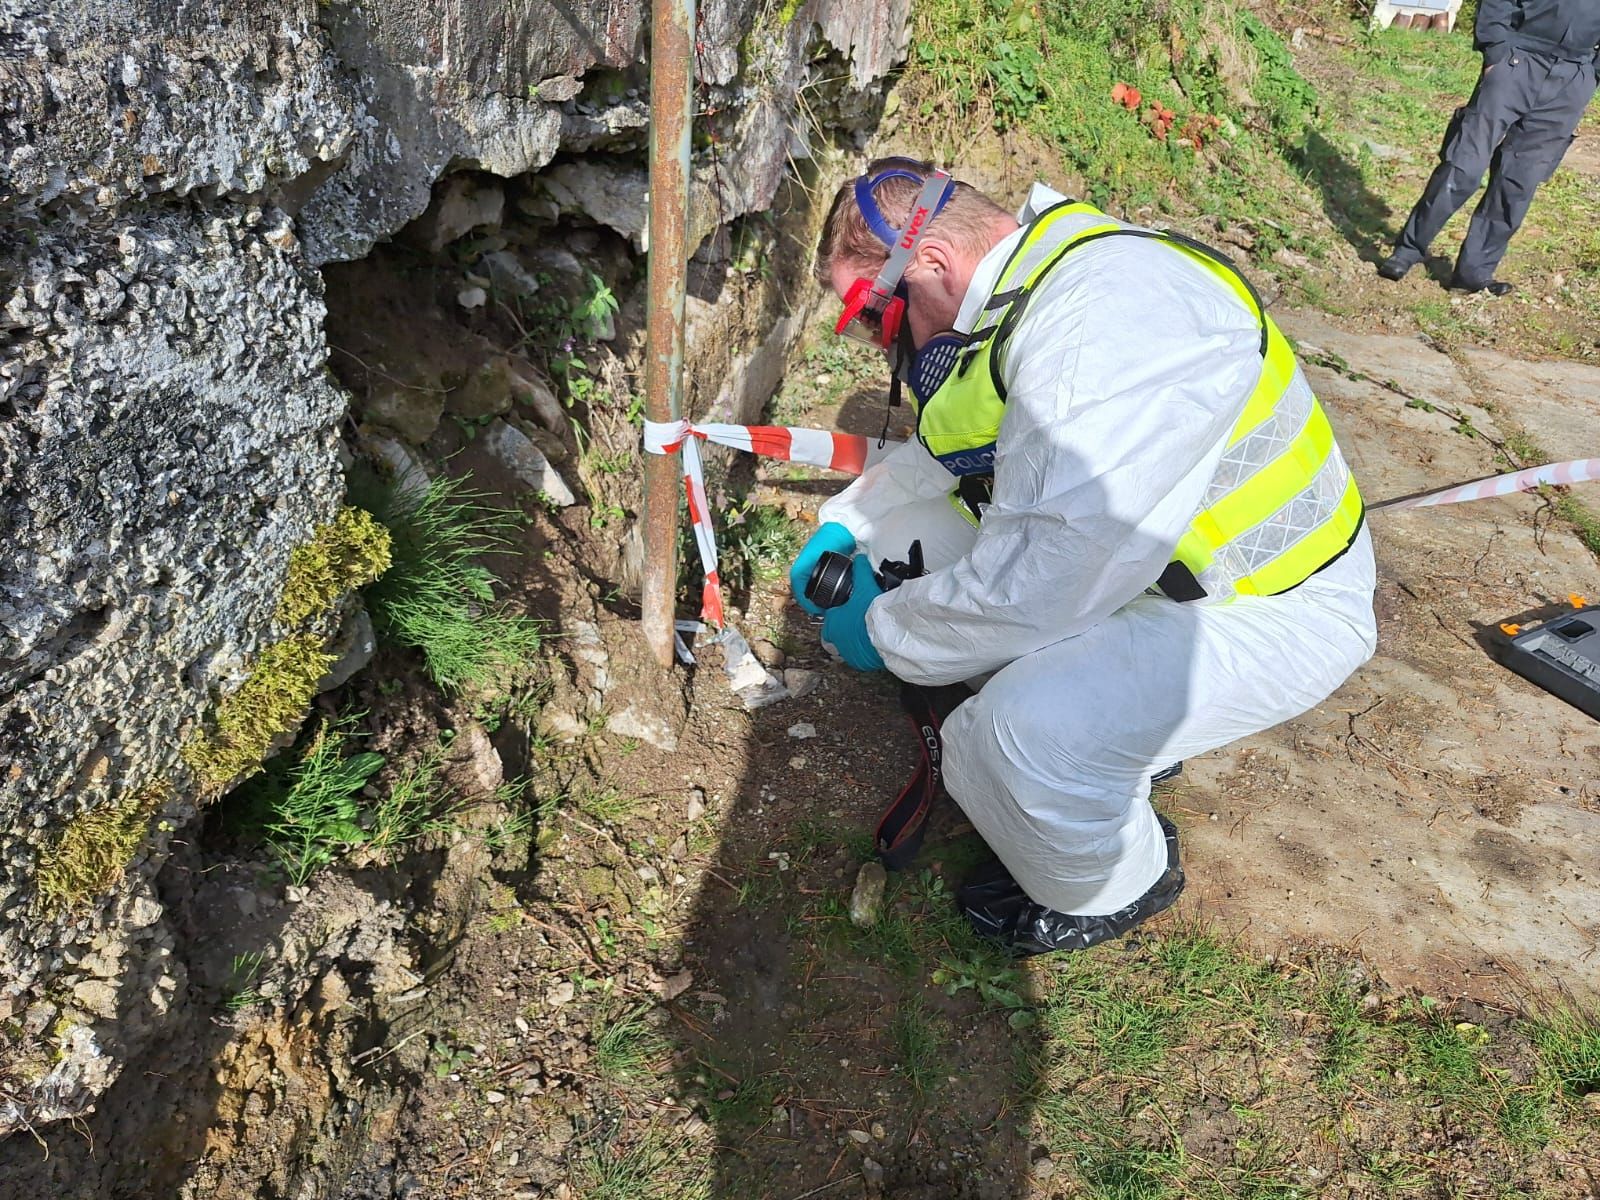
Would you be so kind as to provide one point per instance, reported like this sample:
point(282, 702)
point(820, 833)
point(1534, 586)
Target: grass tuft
point(437, 598)
point(627, 1049)
point(660, 1165)
point(94, 850)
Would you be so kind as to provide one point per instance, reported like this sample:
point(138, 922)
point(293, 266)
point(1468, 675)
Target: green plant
point(241, 994)
point(450, 1056)
point(318, 817)
point(919, 1036)
point(609, 806)
point(1568, 1042)
point(413, 807)
point(627, 1048)
point(438, 599)
point(762, 541)
point(659, 1165)
point(594, 309)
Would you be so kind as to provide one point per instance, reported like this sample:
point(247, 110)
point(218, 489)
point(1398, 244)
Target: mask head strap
point(874, 312)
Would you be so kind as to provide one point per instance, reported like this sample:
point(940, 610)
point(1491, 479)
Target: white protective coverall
point(1124, 380)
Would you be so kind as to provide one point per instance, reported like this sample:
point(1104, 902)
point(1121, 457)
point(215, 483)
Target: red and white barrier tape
point(1579, 470)
point(845, 452)
point(848, 452)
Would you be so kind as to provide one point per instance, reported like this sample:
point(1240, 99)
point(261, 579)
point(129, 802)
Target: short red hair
point(967, 219)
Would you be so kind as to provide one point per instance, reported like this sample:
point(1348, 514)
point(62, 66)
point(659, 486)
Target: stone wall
point(172, 176)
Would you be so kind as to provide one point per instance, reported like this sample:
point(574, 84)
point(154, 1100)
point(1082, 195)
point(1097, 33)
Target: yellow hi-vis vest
point(1282, 504)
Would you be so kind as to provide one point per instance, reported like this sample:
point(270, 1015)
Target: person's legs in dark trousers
point(1475, 131)
point(1532, 150)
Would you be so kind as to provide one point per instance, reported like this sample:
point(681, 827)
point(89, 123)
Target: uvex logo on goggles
point(913, 228)
point(874, 311)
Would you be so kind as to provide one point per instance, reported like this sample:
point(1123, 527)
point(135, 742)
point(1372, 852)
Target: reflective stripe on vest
point(1282, 503)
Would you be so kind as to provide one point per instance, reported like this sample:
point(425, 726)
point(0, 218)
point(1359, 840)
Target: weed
point(436, 598)
point(627, 1049)
point(414, 805)
point(93, 851)
point(660, 1165)
point(241, 993)
point(609, 806)
point(1568, 1043)
point(919, 1037)
point(761, 543)
point(450, 1057)
point(268, 704)
point(1348, 1035)
point(318, 817)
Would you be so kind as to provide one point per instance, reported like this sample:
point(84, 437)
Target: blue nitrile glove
point(844, 628)
point(830, 536)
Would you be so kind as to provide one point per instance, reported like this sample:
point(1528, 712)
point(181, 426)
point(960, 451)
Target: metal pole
point(671, 114)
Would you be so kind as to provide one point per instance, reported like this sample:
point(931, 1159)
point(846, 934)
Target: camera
point(831, 582)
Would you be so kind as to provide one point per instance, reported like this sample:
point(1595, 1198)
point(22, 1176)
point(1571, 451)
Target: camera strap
point(901, 827)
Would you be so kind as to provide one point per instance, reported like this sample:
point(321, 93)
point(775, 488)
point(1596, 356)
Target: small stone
point(800, 682)
point(96, 996)
point(523, 459)
point(697, 804)
point(472, 297)
point(802, 730)
point(860, 1136)
point(495, 1097)
point(672, 988)
point(1044, 1167)
point(878, 1130)
point(872, 1174)
point(561, 994)
point(522, 1024)
point(867, 898)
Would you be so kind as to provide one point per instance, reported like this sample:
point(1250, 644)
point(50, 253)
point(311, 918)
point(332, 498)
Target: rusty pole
point(671, 114)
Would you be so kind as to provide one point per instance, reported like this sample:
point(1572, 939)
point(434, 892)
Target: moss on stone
point(347, 552)
point(267, 705)
point(95, 849)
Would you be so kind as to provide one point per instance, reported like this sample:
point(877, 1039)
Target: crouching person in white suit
point(1141, 538)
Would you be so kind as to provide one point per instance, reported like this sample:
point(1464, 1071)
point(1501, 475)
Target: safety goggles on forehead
point(874, 311)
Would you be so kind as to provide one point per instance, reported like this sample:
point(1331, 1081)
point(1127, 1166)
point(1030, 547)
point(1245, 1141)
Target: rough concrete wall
point(170, 177)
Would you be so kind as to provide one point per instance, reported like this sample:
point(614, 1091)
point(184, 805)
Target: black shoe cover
point(1000, 910)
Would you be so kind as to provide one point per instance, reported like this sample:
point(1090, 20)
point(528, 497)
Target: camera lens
point(830, 582)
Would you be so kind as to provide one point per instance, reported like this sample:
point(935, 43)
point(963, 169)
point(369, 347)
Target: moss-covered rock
point(268, 704)
point(346, 553)
point(95, 848)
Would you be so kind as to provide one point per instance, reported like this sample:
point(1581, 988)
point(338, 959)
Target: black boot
point(1494, 287)
point(1001, 911)
point(1394, 267)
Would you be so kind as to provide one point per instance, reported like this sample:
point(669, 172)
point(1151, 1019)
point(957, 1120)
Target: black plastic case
point(1563, 657)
